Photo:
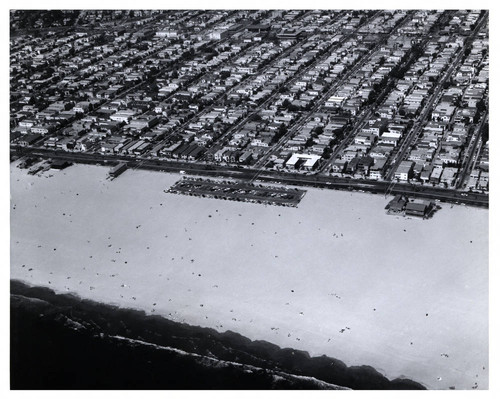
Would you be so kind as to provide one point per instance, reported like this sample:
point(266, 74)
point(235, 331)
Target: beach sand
point(335, 276)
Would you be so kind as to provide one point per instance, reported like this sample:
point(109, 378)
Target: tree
point(225, 74)
point(485, 134)
point(481, 106)
point(318, 130)
point(372, 96)
point(255, 117)
point(327, 152)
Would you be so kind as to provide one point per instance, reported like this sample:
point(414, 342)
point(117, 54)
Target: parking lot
point(238, 191)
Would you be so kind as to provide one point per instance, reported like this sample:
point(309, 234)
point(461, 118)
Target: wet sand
point(335, 276)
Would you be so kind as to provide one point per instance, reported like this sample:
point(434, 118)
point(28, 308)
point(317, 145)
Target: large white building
point(310, 161)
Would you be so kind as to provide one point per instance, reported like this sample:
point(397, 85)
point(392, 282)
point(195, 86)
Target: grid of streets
point(388, 100)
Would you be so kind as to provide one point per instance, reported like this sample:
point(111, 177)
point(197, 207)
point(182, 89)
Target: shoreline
point(187, 259)
point(218, 350)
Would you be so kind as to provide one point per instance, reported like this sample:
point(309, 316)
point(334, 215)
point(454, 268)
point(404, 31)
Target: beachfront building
point(420, 209)
point(29, 139)
point(305, 161)
point(397, 204)
point(404, 170)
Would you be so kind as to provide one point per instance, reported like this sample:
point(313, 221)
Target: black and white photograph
point(241, 198)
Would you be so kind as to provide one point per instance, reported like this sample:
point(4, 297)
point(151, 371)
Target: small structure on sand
point(421, 209)
point(397, 205)
point(400, 205)
point(59, 164)
point(117, 170)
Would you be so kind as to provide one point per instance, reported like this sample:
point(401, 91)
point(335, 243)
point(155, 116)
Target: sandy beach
point(335, 276)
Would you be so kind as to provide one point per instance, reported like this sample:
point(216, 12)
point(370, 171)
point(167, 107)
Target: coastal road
point(378, 187)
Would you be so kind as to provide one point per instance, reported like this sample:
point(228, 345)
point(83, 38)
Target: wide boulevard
point(246, 173)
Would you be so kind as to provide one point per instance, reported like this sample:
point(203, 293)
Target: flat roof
point(311, 159)
point(416, 206)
